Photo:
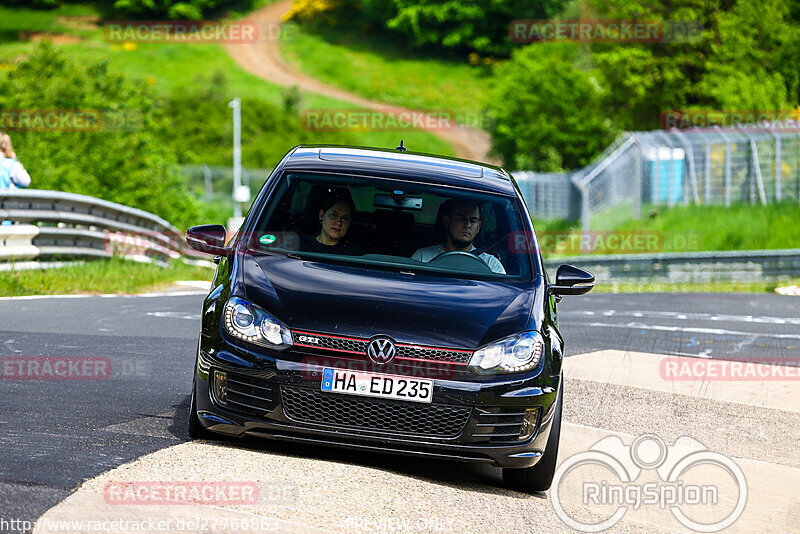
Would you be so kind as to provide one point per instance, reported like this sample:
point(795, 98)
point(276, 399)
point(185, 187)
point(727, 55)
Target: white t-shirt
point(428, 253)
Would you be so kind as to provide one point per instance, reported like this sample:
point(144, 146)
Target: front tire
point(540, 476)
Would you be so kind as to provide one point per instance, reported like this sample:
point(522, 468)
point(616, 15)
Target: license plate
point(377, 385)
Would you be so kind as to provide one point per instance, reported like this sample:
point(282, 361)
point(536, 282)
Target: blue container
point(664, 187)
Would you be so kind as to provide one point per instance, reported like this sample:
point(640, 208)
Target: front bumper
point(468, 420)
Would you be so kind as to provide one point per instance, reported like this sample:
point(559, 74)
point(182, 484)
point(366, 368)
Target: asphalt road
point(722, 326)
point(55, 433)
point(58, 433)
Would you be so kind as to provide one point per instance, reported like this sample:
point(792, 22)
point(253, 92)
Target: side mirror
point(208, 238)
point(571, 280)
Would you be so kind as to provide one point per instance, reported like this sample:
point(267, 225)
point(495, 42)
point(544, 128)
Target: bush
point(125, 162)
point(133, 159)
point(459, 25)
point(167, 9)
point(548, 113)
point(151, 9)
point(201, 129)
point(36, 4)
point(559, 109)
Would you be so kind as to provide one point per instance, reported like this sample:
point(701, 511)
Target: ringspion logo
point(693, 482)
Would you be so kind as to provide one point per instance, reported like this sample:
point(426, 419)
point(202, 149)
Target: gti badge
point(381, 350)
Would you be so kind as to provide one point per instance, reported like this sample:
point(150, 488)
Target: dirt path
point(263, 59)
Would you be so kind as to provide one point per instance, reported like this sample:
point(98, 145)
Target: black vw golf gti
point(386, 301)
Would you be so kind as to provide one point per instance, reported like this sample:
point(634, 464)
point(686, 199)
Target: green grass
point(708, 287)
point(694, 229)
point(170, 67)
point(689, 229)
point(738, 227)
point(377, 69)
point(102, 276)
point(555, 225)
point(15, 20)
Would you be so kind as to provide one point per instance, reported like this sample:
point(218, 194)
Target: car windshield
point(391, 224)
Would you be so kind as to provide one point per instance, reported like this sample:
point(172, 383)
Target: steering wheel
point(442, 258)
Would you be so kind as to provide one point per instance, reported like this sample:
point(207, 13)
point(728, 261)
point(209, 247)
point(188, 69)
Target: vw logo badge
point(381, 350)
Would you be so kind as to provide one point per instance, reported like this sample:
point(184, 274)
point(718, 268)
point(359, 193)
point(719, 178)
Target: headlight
point(252, 324)
point(510, 355)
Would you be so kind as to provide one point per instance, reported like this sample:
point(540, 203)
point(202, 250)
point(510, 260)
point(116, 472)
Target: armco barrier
point(53, 224)
point(687, 267)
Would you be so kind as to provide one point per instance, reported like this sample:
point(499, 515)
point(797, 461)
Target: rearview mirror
point(571, 280)
point(397, 201)
point(208, 238)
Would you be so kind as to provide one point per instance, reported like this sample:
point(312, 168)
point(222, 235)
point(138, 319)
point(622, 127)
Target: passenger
point(12, 173)
point(335, 217)
point(462, 222)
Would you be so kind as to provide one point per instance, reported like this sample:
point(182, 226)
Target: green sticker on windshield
point(267, 239)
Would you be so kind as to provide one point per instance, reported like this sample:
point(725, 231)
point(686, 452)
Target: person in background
point(12, 173)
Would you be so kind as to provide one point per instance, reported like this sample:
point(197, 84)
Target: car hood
point(419, 309)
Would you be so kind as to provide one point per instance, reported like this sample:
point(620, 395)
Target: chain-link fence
point(214, 184)
point(710, 166)
point(549, 195)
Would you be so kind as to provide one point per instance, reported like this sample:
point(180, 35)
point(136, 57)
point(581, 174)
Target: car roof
point(427, 168)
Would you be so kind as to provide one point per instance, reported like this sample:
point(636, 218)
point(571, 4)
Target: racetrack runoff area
point(750, 421)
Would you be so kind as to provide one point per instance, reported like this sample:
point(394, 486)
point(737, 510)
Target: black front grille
point(428, 353)
point(498, 425)
point(335, 343)
point(249, 395)
point(432, 420)
point(327, 342)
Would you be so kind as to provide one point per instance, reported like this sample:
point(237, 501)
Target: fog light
point(220, 386)
point(529, 423)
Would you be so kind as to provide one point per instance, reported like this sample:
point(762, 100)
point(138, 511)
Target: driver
point(462, 222)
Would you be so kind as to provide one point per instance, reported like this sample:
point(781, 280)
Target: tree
point(459, 25)
point(120, 158)
point(548, 113)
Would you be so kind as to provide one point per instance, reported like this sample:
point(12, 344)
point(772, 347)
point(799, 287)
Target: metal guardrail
point(51, 225)
point(54, 224)
point(691, 267)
